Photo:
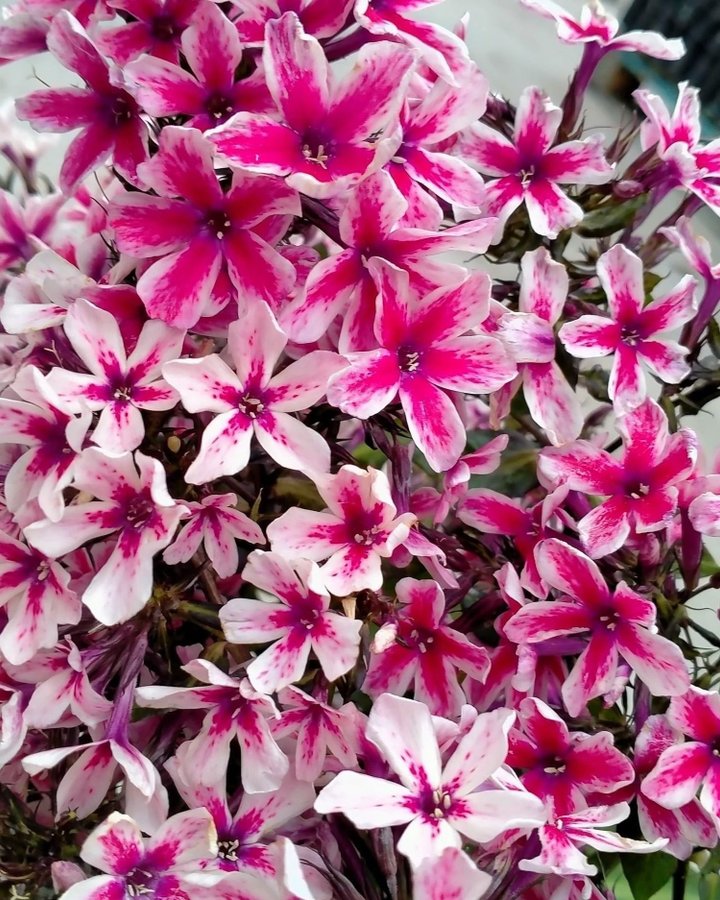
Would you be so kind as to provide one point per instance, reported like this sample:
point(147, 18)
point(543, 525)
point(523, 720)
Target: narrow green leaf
point(646, 875)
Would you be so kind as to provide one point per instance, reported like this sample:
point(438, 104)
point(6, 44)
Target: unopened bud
point(628, 189)
point(174, 443)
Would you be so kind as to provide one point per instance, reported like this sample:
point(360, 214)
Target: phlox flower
point(119, 385)
point(210, 92)
point(215, 524)
point(530, 340)
point(452, 875)
point(108, 116)
point(234, 710)
point(26, 226)
point(704, 513)
point(418, 646)
point(529, 169)
point(322, 142)
point(360, 528)
point(130, 501)
point(684, 827)
point(252, 401)
point(562, 838)
point(300, 622)
point(161, 866)
point(619, 623)
point(156, 27)
point(437, 803)
point(641, 486)
point(425, 351)
point(634, 331)
point(196, 229)
point(684, 768)
point(320, 18)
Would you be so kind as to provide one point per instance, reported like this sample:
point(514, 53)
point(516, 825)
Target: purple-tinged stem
point(573, 99)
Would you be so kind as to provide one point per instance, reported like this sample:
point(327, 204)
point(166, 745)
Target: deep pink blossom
point(320, 730)
point(418, 647)
point(253, 401)
point(676, 138)
point(530, 339)
point(119, 385)
point(424, 166)
point(215, 523)
point(302, 621)
point(439, 48)
point(360, 527)
point(685, 768)
point(330, 134)
point(564, 767)
point(618, 624)
point(321, 18)
point(160, 866)
point(437, 803)
point(529, 169)
point(131, 501)
point(562, 838)
point(210, 92)
point(425, 351)
point(685, 827)
point(156, 27)
point(343, 284)
point(106, 113)
point(597, 26)
point(641, 485)
point(44, 424)
point(25, 226)
point(37, 598)
point(634, 331)
point(234, 710)
point(197, 230)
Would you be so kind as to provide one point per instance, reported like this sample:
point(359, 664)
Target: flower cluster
point(331, 565)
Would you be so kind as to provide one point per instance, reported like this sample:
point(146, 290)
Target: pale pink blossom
point(452, 876)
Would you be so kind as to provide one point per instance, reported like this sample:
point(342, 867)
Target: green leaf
point(646, 875)
point(610, 217)
point(713, 336)
point(708, 566)
point(709, 886)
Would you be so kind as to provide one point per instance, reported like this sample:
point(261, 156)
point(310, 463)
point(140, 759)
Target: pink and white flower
point(210, 92)
point(633, 333)
point(26, 226)
point(216, 524)
point(425, 351)
point(685, 768)
point(234, 710)
point(360, 528)
point(320, 18)
point(597, 26)
point(37, 599)
point(530, 169)
point(199, 231)
point(319, 730)
point(322, 142)
point(44, 424)
point(641, 486)
point(156, 27)
point(530, 340)
point(108, 116)
point(119, 385)
point(370, 227)
point(452, 875)
point(562, 838)
point(302, 621)
point(437, 803)
point(161, 865)
point(130, 501)
point(251, 401)
point(619, 624)
point(418, 647)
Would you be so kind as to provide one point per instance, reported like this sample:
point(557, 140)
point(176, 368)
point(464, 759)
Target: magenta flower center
point(416, 638)
point(164, 28)
point(554, 766)
point(368, 536)
point(139, 883)
point(630, 334)
point(316, 148)
point(251, 406)
point(436, 803)
point(609, 619)
point(139, 511)
point(219, 107)
point(122, 108)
